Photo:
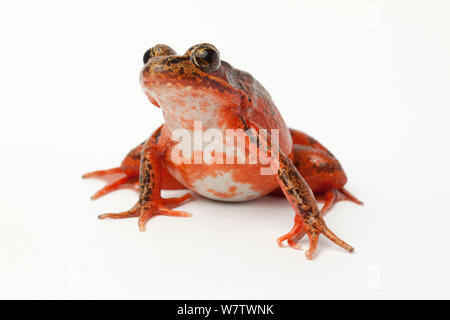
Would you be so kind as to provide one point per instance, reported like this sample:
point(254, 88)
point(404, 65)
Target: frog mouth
point(151, 98)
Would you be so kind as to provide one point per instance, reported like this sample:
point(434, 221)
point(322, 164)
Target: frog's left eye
point(206, 57)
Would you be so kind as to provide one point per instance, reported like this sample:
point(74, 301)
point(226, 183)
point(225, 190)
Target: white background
point(369, 79)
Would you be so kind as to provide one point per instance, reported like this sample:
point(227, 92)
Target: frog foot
point(292, 237)
point(330, 197)
point(150, 208)
point(123, 181)
point(313, 228)
point(102, 173)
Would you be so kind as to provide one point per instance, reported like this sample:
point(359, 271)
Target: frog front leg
point(308, 218)
point(150, 202)
point(301, 198)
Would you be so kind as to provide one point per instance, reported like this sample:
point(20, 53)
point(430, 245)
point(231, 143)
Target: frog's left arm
point(300, 196)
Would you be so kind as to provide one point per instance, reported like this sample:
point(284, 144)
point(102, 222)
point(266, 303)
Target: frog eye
point(158, 50)
point(150, 53)
point(206, 57)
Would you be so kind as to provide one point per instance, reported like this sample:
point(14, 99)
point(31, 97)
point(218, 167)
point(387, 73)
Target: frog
point(198, 86)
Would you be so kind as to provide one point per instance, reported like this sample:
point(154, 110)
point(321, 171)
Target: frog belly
point(221, 186)
point(232, 183)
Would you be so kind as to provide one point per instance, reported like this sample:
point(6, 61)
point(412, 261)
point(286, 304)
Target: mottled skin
point(198, 86)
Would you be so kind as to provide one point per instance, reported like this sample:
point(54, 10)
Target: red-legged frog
point(198, 92)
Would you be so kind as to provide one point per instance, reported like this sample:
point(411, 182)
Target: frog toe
point(120, 183)
point(121, 215)
point(101, 173)
point(145, 210)
point(116, 179)
point(332, 196)
point(292, 236)
point(313, 230)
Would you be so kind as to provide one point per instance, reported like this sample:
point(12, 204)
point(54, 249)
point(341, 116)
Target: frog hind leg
point(331, 196)
point(116, 179)
point(321, 170)
point(324, 175)
point(102, 173)
point(127, 175)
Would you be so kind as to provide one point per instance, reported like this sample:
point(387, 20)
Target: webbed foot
point(313, 228)
point(331, 196)
point(116, 178)
point(150, 208)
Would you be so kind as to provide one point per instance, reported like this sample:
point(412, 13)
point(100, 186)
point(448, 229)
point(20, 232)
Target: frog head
point(189, 87)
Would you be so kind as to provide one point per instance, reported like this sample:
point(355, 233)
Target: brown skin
point(304, 167)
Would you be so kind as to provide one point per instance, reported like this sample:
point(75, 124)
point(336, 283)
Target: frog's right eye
point(157, 51)
point(150, 53)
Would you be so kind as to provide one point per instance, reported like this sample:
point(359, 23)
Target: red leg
point(321, 170)
point(323, 173)
point(146, 211)
point(307, 218)
point(101, 173)
point(331, 196)
point(126, 176)
point(345, 195)
point(302, 139)
point(293, 234)
point(150, 202)
point(119, 183)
